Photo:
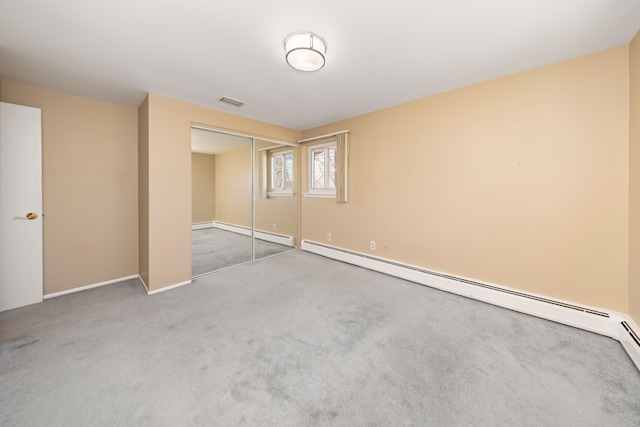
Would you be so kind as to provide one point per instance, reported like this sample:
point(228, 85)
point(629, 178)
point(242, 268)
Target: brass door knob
point(32, 215)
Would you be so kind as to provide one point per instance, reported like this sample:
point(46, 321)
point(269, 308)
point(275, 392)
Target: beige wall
point(233, 194)
point(143, 189)
point(203, 190)
point(169, 153)
point(90, 197)
point(279, 210)
point(634, 179)
point(520, 181)
point(233, 187)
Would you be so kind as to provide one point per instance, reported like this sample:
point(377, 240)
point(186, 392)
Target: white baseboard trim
point(202, 225)
point(144, 284)
point(95, 285)
point(245, 231)
point(262, 235)
point(166, 288)
point(583, 317)
point(157, 291)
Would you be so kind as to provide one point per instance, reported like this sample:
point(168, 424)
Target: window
point(281, 172)
point(322, 169)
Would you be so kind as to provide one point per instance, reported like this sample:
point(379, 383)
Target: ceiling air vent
point(232, 101)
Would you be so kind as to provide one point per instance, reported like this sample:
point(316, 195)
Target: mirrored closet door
point(221, 172)
point(244, 199)
point(276, 198)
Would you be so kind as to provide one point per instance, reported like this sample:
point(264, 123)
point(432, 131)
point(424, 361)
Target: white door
point(20, 206)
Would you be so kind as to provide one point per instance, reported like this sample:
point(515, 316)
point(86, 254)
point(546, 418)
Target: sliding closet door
point(221, 200)
point(276, 198)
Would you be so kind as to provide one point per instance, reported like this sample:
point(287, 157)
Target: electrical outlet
point(373, 245)
point(328, 237)
point(274, 227)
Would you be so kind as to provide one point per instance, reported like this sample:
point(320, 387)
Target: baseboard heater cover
point(630, 340)
point(588, 318)
point(262, 235)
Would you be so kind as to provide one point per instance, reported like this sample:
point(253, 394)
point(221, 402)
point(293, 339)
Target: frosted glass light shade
point(305, 51)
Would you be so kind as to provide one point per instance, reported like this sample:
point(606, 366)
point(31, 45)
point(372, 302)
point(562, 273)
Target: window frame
point(321, 192)
point(270, 159)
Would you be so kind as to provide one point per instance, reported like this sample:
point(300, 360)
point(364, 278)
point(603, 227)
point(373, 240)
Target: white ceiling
point(379, 54)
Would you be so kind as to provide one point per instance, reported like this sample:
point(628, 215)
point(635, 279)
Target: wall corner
point(634, 179)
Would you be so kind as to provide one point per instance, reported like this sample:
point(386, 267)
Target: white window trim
point(277, 191)
point(314, 192)
point(281, 194)
point(322, 196)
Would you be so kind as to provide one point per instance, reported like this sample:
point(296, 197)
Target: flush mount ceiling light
point(305, 51)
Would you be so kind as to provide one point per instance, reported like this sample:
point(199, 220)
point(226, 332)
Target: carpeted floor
point(213, 249)
point(301, 340)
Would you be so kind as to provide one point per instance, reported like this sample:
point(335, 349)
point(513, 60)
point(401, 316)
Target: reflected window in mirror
point(322, 170)
point(281, 172)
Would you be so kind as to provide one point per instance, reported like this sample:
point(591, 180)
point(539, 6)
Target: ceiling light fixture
point(305, 51)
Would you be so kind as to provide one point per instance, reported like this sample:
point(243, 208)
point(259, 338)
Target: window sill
point(280, 194)
point(320, 195)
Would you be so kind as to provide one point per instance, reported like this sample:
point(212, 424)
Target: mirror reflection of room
point(221, 200)
point(276, 202)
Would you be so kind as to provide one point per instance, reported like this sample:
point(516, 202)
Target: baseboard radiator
point(615, 325)
point(262, 235)
point(630, 341)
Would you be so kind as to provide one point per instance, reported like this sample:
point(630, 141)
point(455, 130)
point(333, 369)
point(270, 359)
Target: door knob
point(32, 215)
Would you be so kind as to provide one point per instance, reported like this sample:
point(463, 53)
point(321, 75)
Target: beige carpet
point(300, 340)
point(213, 249)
